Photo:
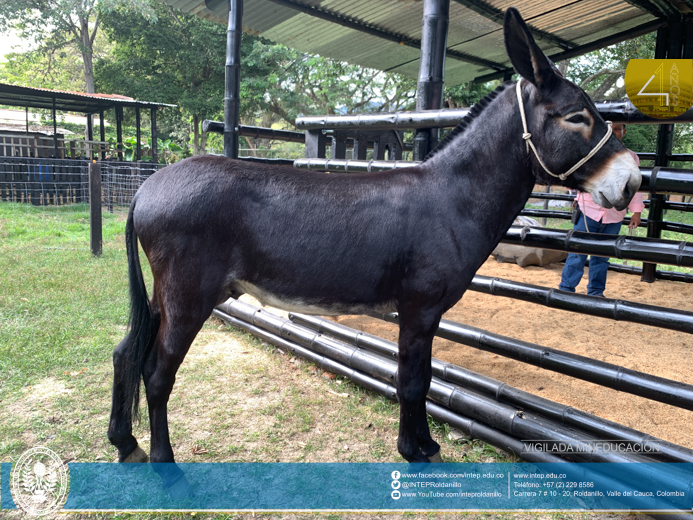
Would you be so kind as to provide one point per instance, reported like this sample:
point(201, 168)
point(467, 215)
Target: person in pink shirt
point(596, 219)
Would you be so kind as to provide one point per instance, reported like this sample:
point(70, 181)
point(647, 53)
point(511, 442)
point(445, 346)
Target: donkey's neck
point(486, 164)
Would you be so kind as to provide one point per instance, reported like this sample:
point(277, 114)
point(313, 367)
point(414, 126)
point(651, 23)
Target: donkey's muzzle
point(617, 184)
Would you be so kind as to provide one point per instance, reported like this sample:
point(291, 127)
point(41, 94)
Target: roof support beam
point(373, 30)
point(584, 49)
point(492, 13)
point(232, 86)
point(429, 88)
point(55, 131)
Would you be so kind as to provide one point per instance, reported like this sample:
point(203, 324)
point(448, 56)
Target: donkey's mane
point(473, 113)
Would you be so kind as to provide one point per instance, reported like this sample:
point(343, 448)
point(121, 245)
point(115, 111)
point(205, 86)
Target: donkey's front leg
point(416, 331)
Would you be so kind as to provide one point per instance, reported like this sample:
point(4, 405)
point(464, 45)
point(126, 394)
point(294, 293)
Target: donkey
point(406, 240)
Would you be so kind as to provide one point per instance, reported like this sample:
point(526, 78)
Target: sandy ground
point(646, 349)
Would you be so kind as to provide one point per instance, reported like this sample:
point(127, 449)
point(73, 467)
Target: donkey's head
point(564, 127)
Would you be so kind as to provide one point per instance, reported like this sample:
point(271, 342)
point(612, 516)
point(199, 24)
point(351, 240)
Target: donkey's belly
point(311, 305)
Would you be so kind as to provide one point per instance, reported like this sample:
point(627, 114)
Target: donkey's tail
point(143, 326)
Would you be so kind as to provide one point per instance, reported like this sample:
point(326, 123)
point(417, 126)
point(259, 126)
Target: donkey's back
point(315, 242)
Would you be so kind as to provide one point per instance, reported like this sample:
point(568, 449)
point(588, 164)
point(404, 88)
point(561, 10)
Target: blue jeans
point(575, 264)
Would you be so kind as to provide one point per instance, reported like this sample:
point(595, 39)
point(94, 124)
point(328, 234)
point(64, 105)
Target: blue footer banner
point(372, 486)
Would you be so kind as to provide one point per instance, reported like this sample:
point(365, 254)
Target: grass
point(236, 399)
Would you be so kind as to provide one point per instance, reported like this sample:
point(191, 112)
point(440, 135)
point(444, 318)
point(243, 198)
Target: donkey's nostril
point(627, 193)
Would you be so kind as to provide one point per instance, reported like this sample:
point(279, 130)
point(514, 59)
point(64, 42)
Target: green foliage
point(167, 150)
point(641, 138)
point(288, 83)
point(466, 94)
point(177, 60)
point(612, 61)
point(60, 24)
point(52, 69)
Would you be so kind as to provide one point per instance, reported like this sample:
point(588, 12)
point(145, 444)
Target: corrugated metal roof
point(15, 95)
point(475, 28)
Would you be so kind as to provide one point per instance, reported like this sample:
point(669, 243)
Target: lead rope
point(584, 217)
point(528, 140)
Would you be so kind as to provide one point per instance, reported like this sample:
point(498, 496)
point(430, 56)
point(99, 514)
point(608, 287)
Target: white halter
point(528, 140)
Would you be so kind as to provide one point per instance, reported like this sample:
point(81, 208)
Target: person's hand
point(634, 221)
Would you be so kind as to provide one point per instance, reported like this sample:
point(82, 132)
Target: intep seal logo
point(660, 88)
point(39, 481)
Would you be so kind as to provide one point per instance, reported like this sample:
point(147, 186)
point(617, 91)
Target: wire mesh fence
point(64, 182)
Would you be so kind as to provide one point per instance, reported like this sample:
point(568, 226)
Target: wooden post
point(119, 131)
point(138, 132)
point(102, 128)
point(55, 130)
point(155, 136)
point(95, 208)
point(88, 146)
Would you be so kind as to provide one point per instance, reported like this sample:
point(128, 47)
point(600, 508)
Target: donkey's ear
point(525, 55)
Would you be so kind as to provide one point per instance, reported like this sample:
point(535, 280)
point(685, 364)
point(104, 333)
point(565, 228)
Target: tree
point(289, 83)
point(598, 72)
point(57, 24)
point(178, 60)
point(57, 69)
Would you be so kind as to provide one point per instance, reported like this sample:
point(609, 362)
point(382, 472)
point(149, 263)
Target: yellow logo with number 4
point(660, 88)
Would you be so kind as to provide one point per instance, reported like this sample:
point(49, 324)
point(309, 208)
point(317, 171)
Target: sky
point(11, 42)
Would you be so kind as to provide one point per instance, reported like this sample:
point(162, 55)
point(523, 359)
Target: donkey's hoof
point(180, 489)
point(137, 455)
point(436, 458)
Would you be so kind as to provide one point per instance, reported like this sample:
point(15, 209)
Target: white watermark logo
point(39, 481)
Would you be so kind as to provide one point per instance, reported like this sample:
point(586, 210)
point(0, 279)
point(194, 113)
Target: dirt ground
point(651, 350)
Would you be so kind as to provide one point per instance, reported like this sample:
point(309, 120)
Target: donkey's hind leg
point(120, 425)
point(184, 310)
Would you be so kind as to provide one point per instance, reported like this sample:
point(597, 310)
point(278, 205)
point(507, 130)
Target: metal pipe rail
point(385, 121)
point(605, 374)
point(546, 213)
point(678, 206)
point(565, 215)
point(616, 111)
point(552, 196)
point(660, 180)
point(475, 405)
point(617, 310)
point(614, 246)
point(257, 132)
point(680, 157)
point(265, 160)
point(350, 165)
point(502, 392)
point(673, 276)
point(471, 427)
point(654, 180)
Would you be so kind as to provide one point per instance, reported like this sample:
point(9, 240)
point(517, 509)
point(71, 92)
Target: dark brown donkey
point(406, 240)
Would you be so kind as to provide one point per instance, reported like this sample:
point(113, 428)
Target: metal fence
point(61, 182)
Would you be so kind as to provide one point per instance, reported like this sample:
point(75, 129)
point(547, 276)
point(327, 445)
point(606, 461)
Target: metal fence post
point(315, 144)
point(95, 235)
point(429, 88)
point(669, 40)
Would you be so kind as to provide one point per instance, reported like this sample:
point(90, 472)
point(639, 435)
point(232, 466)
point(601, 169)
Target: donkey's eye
point(577, 119)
